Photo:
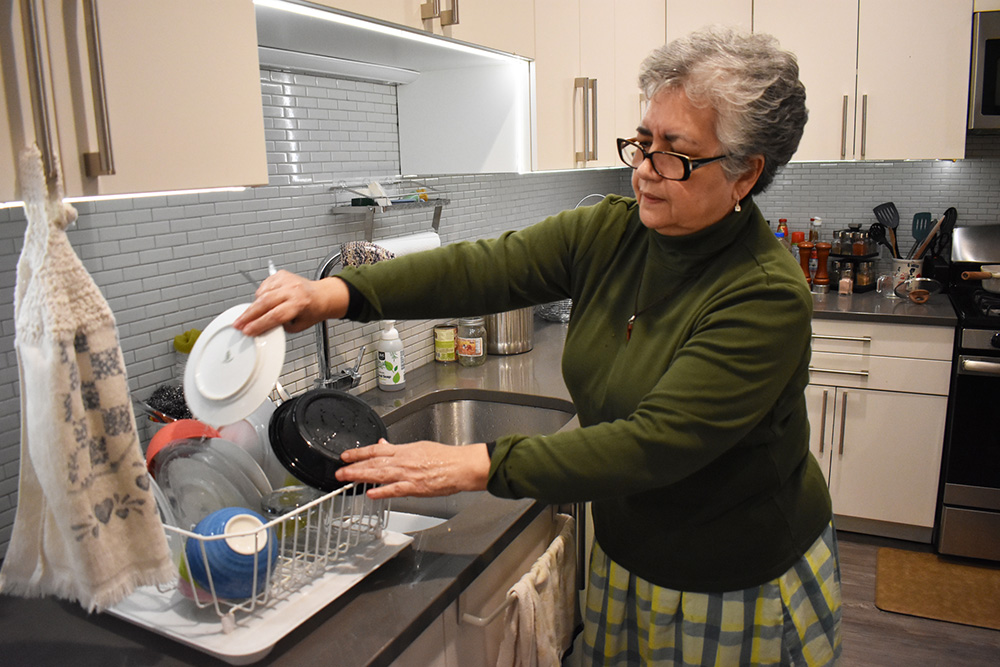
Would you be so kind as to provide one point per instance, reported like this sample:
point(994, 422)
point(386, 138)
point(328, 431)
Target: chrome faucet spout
point(323, 328)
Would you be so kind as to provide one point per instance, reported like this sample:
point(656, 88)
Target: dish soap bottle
point(389, 365)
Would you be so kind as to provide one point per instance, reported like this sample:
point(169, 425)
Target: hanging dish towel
point(87, 527)
point(541, 618)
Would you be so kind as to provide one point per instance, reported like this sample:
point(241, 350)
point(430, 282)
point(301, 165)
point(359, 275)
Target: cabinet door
point(913, 64)
point(557, 63)
point(887, 455)
point(507, 26)
point(820, 402)
point(183, 95)
point(15, 95)
point(823, 36)
point(597, 63)
point(639, 29)
point(402, 12)
point(685, 16)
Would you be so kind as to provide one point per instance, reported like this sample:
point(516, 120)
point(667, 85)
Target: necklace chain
point(636, 311)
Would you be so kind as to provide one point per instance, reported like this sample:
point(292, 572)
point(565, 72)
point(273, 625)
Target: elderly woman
point(686, 357)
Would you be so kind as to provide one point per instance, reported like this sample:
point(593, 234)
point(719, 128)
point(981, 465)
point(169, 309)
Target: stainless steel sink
point(466, 416)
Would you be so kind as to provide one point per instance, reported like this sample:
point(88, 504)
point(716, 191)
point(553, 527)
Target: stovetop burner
point(988, 303)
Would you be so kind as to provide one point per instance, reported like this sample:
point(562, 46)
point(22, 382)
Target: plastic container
point(814, 228)
point(471, 347)
point(390, 365)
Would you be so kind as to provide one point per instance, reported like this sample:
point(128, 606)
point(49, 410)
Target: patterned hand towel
point(87, 526)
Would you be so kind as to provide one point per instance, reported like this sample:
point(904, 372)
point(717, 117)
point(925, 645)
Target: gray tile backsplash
point(168, 264)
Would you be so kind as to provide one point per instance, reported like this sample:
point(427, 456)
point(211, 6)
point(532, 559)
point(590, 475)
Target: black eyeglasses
point(671, 166)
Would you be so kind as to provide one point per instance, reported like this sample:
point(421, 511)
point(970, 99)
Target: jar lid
point(472, 321)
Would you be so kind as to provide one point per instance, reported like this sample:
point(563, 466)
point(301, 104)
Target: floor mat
point(931, 586)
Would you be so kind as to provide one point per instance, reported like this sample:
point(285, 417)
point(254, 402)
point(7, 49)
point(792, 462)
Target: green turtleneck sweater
point(694, 438)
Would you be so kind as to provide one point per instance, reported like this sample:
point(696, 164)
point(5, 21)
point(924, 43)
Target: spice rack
point(864, 278)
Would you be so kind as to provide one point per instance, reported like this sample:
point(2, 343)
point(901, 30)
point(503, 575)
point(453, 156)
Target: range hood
point(301, 36)
point(462, 109)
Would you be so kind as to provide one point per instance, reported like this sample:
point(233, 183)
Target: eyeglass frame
point(690, 163)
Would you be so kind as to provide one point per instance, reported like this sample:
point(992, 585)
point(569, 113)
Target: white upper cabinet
point(686, 16)
point(587, 56)
point(885, 79)
point(181, 88)
point(507, 26)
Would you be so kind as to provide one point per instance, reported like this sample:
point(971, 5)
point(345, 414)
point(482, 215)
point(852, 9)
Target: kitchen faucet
point(349, 377)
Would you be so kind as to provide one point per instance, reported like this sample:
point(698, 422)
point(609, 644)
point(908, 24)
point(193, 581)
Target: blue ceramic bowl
point(236, 562)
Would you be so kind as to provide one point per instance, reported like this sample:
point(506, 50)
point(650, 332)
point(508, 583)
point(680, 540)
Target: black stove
point(969, 503)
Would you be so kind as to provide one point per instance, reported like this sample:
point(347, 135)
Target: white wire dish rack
point(320, 551)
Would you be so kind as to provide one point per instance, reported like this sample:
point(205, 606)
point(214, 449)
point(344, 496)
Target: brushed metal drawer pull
point(101, 162)
point(450, 16)
point(582, 84)
point(843, 131)
point(44, 134)
point(843, 423)
point(853, 339)
point(430, 10)
point(822, 430)
point(978, 366)
point(837, 371)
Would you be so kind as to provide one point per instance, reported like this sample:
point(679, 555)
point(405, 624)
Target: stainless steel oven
point(969, 508)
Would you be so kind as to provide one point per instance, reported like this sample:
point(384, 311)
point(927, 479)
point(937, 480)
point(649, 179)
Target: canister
point(510, 332)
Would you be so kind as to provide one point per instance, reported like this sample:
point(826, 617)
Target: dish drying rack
point(323, 549)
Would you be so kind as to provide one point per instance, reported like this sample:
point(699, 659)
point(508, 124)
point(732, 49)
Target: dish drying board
point(324, 549)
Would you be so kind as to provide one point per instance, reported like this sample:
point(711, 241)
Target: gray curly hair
point(751, 83)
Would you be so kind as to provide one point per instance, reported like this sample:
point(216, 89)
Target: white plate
point(228, 374)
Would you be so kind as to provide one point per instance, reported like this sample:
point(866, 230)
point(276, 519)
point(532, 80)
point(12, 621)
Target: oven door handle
point(978, 366)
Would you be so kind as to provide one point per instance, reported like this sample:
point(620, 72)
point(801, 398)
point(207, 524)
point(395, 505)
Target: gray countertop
point(374, 621)
point(873, 307)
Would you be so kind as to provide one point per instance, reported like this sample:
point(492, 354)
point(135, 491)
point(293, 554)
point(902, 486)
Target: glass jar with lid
point(471, 341)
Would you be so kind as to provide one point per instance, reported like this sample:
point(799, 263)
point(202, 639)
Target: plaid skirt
point(791, 620)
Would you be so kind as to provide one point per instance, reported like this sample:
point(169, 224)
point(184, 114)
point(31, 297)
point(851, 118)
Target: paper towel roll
point(404, 245)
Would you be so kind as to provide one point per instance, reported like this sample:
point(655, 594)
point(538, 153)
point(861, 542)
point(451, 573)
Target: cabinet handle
point(822, 421)
point(450, 16)
point(843, 423)
point(837, 371)
point(853, 339)
point(843, 131)
point(582, 84)
point(44, 135)
point(864, 124)
point(430, 10)
point(593, 119)
point(101, 163)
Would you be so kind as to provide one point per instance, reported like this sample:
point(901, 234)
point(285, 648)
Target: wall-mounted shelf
point(400, 202)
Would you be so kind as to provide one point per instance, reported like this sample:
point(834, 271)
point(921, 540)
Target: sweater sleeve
point(517, 269)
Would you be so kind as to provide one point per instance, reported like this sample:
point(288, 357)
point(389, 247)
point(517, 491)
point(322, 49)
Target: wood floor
point(876, 638)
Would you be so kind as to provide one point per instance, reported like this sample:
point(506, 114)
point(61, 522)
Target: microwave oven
point(984, 91)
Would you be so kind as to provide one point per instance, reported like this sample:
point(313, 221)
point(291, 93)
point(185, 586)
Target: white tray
point(172, 615)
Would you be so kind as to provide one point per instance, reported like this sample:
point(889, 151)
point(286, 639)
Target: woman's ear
point(745, 182)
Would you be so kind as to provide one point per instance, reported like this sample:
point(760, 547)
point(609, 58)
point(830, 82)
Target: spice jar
point(471, 341)
point(865, 276)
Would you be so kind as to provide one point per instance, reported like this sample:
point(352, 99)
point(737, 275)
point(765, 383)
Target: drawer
point(863, 371)
point(882, 339)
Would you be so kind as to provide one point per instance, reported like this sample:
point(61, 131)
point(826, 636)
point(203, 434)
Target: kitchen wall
point(168, 264)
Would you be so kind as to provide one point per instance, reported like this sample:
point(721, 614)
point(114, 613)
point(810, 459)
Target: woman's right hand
point(289, 300)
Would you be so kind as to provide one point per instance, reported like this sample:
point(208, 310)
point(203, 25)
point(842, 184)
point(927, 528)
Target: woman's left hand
point(420, 469)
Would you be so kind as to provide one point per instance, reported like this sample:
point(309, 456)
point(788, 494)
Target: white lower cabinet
point(461, 637)
point(877, 423)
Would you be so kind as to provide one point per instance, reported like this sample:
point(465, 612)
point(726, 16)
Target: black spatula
point(888, 215)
